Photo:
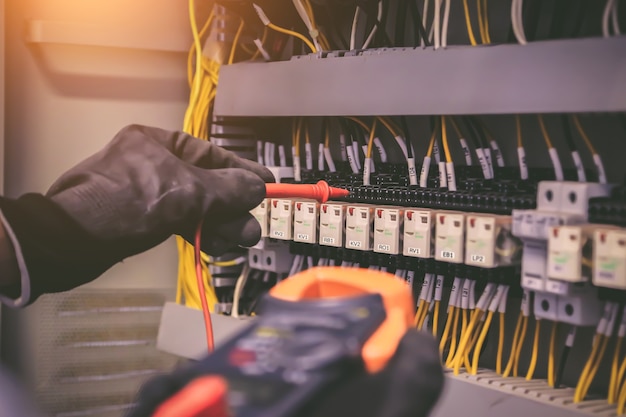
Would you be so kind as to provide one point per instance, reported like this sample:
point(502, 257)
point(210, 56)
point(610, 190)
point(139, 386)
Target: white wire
point(444, 29)
point(307, 21)
point(615, 19)
point(437, 23)
point(241, 282)
point(517, 21)
point(424, 21)
point(379, 16)
point(608, 8)
point(355, 22)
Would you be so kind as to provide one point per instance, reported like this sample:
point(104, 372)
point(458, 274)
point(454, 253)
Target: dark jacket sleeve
point(59, 255)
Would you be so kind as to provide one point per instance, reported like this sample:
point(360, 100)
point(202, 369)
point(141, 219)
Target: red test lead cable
point(321, 192)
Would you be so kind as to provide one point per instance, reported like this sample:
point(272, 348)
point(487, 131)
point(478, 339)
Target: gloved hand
point(144, 186)
point(408, 386)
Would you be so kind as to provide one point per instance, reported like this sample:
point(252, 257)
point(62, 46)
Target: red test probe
point(321, 191)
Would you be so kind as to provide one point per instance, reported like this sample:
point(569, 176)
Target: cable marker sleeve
point(451, 176)
point(436, 152)
point(480, 154)
point(355, 155)
point(320, 157)
point(342, 144)
point(281, 156)
point(439, 288)
point(521, 158)
point(443, 177)
point(259, 152)
point(308, 155)
point(351, 160)
point(402, 144)
point(466, 151)
point(329, 160)
point(497, 153)
point(489, 160)
point(381, 150)
point(580, 168)
point(454, 293)
point(425, 171)
point(410, 276)
point(412, 172)
point(600, 167)
point(556, 163)
point(367, 166)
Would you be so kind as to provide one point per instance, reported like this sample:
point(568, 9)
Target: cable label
point(259, 152)
point(556, 163)
point(580, 168)
point(466, 151)
point(425, 171)
point(402, 145)
point(308, 155)
point(281, 156)
point(451, 176)
point(380, 149)
point(320, 157)
point(497, 153)
point(525, 306)
point(425, 286)
point(480, 154)
point(412, 171)
point(465, 294)
point(521, 159)
point(351, 161)
point(600, 167)
point(436, 152)
point(356, 156)
point(503, 297)
point(439, 288)
point(454, 293)
point(410, 276)
point(488, 160)
point(367, 165)
point(342, 145)
point(329, 160)
point(443, 177)
point(297, 171)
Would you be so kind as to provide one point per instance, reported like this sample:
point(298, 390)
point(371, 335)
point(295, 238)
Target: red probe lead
point(321, 191)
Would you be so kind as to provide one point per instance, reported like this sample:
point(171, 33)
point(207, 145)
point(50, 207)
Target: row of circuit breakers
point(560, 253)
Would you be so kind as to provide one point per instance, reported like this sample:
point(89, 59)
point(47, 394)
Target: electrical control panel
point(609, 258)
point(450, 237)
point(305, 221)
point(359, 227)
point(388, 230)
point(332, 224)
point(419, 233)
point(281, 219)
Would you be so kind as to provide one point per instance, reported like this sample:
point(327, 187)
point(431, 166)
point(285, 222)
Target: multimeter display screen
point(248, 392)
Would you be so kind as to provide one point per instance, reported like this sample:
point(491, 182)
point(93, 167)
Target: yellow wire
point(225, 264)
point(446, 330)
point(436, 318)
point(620, 375)
point(594, 368)
point(551, 354)
point(418, 314)
point(518, 131)
point(533, 358)
point(486, 22)
point(520, 345)
point(614, 381)
point(468, 24)
point(263, 39)
point(518, 328)
point(327, 137)
point(370, 143)
point(500, 344)
point(294, 34)
point(465, 338)
point(298, 133)
point(444, 138)
point(481, 26)
point(544, 132)
point(481, 341)
point(420, 325)
point(456, 128)
point(233, 49)
point(583, 134)
point(622, 400)
point(359, 122)
point(588, 365)
point(195, 90)
point(193, 49)
point(307, 138)
point(453, 343)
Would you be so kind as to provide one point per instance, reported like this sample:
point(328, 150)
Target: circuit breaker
point(359, 227)
point(419, 233)
point(387, 230)
point(332, 224)
point(305, 221)
point(281, 219)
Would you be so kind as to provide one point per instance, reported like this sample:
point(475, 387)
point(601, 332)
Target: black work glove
point(144, 186)
point(408, 386)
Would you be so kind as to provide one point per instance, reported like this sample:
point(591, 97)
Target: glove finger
point(217, 239)
point(409, 385)
point(230, 192)
point(194, 151)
